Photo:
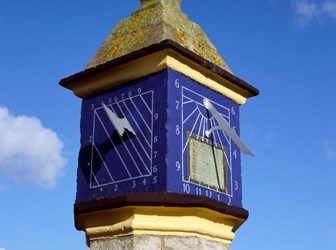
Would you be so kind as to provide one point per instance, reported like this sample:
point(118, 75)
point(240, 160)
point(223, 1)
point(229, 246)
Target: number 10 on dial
point(206, 164)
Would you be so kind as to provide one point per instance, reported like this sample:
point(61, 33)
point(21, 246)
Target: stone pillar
point(147, 242)
point(141, 183)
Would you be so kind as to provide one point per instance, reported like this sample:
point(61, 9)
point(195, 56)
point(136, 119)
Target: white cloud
point(329, 8)
point(2, 189)
point(29, 153)
point(251, 133)
point(308, 11)
point(330, 151)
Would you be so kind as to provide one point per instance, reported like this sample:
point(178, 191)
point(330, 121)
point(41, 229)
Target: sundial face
point(121, 141)
point(135, 157)
point(203, 165)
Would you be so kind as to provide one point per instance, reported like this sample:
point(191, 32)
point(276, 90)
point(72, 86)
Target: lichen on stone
point(154, 22)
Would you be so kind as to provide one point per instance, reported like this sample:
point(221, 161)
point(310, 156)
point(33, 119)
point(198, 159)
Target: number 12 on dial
point(206, 164)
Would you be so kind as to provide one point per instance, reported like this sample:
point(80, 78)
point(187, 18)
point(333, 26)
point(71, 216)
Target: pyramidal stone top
point(154, 22)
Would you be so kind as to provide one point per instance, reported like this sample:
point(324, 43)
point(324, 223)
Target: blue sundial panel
point(157, 141)
point(198, 164)
point(135, 155)
point(113, 164)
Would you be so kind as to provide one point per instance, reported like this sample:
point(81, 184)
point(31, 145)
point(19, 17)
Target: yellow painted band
point(134, 220)
point(153, 63)
point(204, 76)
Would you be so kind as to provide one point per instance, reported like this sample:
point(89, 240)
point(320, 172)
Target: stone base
point(156, 242)
point(159, 221)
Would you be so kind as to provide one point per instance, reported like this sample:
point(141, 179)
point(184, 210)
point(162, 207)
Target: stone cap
point(154, 22)
point(152, 59)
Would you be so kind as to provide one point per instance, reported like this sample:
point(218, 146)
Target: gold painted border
point(153, 63)
point(143, 220)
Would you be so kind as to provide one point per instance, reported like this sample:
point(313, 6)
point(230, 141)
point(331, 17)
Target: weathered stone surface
point(151, 242)
point(154, 22)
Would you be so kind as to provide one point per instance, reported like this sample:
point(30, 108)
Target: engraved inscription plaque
point(207, 164)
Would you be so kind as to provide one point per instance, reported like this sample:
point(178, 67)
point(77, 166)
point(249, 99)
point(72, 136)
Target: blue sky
point(286, 48)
